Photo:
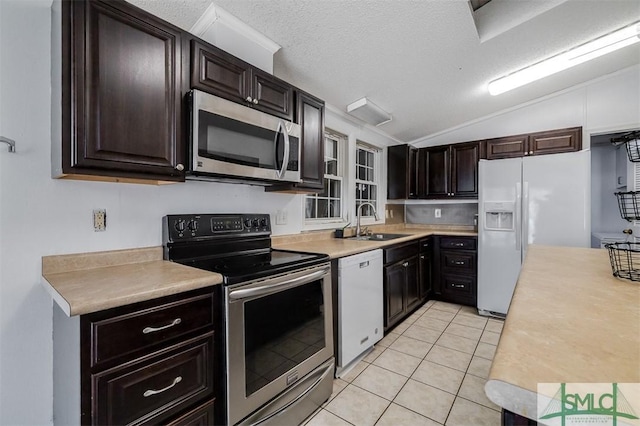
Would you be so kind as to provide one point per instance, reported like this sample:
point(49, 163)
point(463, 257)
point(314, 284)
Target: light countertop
point(340, 247)
point(570, 321)
point(91, 282)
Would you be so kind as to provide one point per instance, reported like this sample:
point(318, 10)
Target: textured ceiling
point(421, 60)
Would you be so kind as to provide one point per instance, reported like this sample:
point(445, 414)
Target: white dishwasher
point(360, 306)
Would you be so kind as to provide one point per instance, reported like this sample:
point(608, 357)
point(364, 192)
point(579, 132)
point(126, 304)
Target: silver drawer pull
point(405, 264)
point(151, 392)
point(458, 263)
point(457, 285)
point(148, 330)
point(364, 264)
point(459, 244)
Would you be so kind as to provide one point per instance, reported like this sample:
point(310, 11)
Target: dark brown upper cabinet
point(215, 71)
point(540, 143)
point(555, 141)
point(402, 172)
point(121, 93)
point(507, 147)
point(449, 171)
point(311, 117)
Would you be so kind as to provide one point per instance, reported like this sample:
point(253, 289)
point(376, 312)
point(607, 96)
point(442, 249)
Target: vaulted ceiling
point(427, 62)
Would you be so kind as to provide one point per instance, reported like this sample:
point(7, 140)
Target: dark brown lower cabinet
point(455, 280)
point(153, 362)
point(401, 282)
point(425, 278)
point(512, 419)
point(394, 285)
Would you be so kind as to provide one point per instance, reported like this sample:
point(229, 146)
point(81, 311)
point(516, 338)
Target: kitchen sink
point(378, 237)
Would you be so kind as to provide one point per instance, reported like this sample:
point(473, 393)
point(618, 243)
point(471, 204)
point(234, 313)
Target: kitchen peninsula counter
point(340, 247)
point(90, 282)
point(570, 321)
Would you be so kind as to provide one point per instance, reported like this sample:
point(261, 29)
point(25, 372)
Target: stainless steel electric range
point(277, 315)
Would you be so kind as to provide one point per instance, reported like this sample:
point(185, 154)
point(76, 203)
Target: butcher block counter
point(570, 321)
point(91, 282)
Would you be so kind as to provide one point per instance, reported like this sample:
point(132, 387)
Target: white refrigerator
point(541, 199)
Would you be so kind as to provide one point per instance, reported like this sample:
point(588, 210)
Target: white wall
point(606, 104)
point(40, 216)
point(605, 215)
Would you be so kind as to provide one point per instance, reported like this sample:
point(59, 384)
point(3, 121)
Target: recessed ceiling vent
point(369, 112)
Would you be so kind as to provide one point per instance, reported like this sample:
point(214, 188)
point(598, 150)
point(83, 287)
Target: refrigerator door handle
point(518, 218)
point(525, 218)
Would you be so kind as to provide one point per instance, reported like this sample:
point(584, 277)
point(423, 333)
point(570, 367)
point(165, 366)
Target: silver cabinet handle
point(421, 257)
point(457, 285)
point(179, 167)
point(153, 392)
point(148, 330)
point(459, 244)
point(405, 264)
point(249, 99)
point(255, 102)
point(458, 263)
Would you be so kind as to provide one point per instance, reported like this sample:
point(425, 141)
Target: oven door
point(232, 140)
point(278, 331)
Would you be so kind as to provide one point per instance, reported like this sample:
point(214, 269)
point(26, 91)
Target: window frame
point(341, 153)
point(377, 182)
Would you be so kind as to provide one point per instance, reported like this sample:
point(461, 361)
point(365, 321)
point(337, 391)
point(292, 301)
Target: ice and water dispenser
point(499, 216)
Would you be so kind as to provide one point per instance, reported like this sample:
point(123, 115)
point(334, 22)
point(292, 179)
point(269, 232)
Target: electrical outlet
point(438, 213)
point(281, 217)
point(99, 220)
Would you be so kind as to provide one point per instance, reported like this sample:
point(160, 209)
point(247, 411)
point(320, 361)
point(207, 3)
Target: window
point(328, 205)
point(367, 177)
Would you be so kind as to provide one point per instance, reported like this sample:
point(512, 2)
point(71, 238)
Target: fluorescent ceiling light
point(369, 112)
point(591, 50)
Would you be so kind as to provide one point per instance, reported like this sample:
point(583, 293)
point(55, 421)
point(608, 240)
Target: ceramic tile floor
point(429, 370)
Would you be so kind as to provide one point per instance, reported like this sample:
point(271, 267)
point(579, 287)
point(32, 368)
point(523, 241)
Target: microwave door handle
point(285, 158)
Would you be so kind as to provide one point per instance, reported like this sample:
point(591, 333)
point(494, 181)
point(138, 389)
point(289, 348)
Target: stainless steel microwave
point(230, 141)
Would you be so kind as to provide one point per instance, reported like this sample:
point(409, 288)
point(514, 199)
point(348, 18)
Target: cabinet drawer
point(462, 262)
point(464, 243)
point(458, 288)
point(152, 389)
point(400, 252)
point(199, 416)
point(123, 334)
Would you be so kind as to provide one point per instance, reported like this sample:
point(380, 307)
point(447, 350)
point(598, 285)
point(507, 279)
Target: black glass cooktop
point(246, 267)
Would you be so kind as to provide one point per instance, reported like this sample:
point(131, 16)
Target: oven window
point(224, 139)
point(281, 331)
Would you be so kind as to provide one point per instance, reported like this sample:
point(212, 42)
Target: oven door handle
point(277, 285)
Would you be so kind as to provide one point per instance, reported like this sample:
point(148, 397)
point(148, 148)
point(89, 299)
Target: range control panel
point(204, 226)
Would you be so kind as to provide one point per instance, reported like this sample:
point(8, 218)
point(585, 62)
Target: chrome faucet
point(359, 213)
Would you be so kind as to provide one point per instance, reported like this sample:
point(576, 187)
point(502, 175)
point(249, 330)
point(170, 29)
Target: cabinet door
point(394, 288)
point(412, 175)
point(555, 141)
point(271, 95)
point(425, 275)
point(508, 147)
point(397, 182)
point(122, 73)
point(464, 169)
point(217, 72)
point(413, 283)
point(436, 165)
point(311, 118)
